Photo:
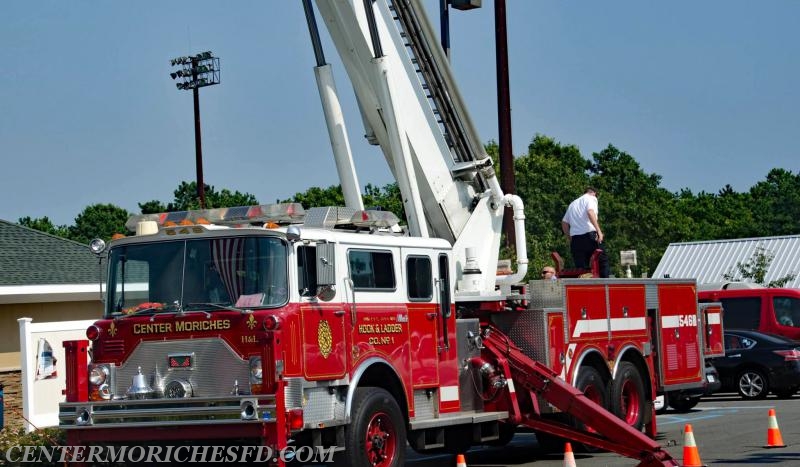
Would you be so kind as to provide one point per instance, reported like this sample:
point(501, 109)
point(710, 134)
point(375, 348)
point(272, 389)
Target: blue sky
point(702, 93)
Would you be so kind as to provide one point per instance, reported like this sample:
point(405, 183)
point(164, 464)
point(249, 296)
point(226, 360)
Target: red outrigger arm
point(612, 434)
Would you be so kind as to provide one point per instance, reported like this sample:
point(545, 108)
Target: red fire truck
point(337, 327)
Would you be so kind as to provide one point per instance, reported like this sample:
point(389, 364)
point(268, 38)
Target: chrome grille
point(215, 367)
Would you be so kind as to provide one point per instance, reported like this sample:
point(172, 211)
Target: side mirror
point(326, 271)
point(326, 292)
point(293, 233)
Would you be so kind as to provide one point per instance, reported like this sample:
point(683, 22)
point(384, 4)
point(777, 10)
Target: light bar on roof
point(281, 213)
point(378, 219)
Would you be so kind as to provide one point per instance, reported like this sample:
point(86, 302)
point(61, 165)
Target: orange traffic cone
point(569, 457)
point(460, 462)
point(774, 439)
point(691, 458)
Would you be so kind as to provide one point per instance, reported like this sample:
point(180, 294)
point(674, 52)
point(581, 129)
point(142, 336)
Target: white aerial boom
point(412, 108)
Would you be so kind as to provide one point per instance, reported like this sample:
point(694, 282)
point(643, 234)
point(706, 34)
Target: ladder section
point(444, 98)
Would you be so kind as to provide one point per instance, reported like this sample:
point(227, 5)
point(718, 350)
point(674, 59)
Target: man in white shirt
point(581, 226)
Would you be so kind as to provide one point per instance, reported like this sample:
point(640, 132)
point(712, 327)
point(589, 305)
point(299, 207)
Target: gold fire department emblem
point(324, 338)
point(112, 330)
point(251, 322)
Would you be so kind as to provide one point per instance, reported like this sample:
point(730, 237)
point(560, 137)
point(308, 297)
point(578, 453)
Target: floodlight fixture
point(627, 258)
point(194, 72)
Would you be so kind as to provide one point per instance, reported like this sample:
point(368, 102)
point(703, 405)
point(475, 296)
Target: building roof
point(708, 261)
point(29, 257)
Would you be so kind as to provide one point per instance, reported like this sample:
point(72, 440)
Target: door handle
point(431, 315)
point(338, 313)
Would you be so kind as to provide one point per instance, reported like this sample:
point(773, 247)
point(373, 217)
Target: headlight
point(255, 370)
point(104, 391)
point(98, 375)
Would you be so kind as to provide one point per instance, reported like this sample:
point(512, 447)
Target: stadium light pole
point(195, 72)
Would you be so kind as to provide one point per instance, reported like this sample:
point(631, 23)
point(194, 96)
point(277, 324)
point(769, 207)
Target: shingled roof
point(31, 257)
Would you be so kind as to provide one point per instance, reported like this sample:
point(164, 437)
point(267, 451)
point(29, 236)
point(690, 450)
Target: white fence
point(40, 397)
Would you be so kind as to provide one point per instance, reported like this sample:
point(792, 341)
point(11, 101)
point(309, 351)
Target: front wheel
point(377, 434)
point(628, 400)
point(752, 384)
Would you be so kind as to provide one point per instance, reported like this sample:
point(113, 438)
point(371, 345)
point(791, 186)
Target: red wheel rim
point(630, 402)
point(381, 442)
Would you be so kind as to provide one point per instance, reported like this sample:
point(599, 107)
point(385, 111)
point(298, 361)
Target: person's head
point(591, 191)
point(548, 273)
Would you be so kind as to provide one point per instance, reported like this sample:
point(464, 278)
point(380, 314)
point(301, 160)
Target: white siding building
point(708, 261)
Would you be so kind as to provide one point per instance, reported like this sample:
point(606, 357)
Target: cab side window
point(371, 270)
point(307, 270)
point(419, 278)
point(742, 313)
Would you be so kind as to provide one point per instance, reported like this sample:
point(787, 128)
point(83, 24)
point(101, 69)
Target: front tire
point(752, 384)
point(377, 434)
point(628, 400)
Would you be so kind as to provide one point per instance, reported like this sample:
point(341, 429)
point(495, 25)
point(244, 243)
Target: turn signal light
point(92, 332)
point(295, 419)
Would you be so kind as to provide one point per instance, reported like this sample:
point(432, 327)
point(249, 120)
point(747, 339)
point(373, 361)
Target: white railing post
point(27, 356)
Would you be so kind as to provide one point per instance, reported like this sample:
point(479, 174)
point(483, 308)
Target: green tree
point(98, 221)
point(727, 214)
point(776, 203)
point(44, 224)
point(152, 207)
point(387, 198)
point(186, 199)
point(636, 213)
point(756, 268)
point(548, 177)
point(317, 197)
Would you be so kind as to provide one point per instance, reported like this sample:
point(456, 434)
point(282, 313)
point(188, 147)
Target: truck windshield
point(204, 274)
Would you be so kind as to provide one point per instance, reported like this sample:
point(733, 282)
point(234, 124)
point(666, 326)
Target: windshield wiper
point(218, 306)
point(143, 311)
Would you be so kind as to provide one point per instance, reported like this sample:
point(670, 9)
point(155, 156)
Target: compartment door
point(628, 310)
point(713, 340)
point(678, 335)
point(556, 345)
point(587, 313)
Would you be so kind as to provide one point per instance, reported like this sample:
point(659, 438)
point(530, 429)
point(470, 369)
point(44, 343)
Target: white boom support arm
point(412, 108)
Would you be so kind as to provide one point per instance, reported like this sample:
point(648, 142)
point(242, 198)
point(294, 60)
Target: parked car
point(757, 363)
point(685, 400)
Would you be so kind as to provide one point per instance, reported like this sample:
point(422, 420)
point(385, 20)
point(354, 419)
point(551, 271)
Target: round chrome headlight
point(104, 391)
point(98, 375)
point(83, 416)
point(98, 245)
